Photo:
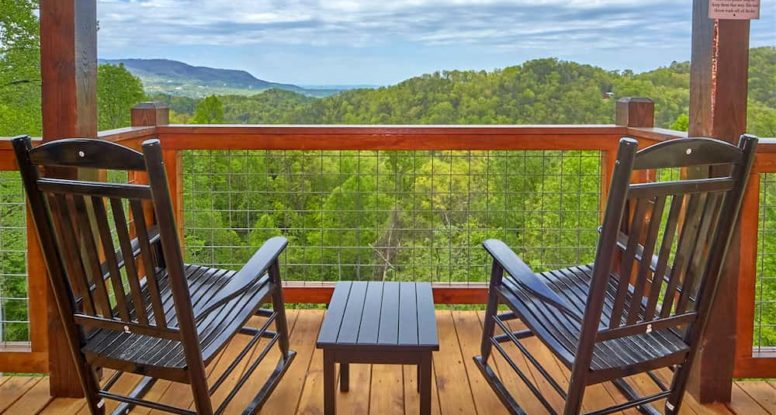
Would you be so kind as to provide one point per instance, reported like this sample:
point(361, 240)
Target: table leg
point(329, 380)
point(418, 380)
point(424, 383)
point(344, 377)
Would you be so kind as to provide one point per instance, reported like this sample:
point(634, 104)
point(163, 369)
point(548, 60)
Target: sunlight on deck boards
point(458, 387)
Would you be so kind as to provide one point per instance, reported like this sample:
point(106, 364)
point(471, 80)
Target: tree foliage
point(117, 92)
point(19, 68)
point(209, 111)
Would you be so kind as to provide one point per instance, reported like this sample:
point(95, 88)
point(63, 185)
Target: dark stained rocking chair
point(127, 300)
point(642, 306)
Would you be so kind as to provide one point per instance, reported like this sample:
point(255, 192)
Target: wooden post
point(718, 93)
point(150, 114)
point(68, 44)
point(635, 112)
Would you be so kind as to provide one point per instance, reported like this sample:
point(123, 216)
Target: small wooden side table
point(378, 323)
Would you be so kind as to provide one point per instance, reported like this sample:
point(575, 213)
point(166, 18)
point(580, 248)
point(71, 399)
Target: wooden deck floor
point(458, 387)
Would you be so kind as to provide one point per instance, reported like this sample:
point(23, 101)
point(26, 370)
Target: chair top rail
point(100, 189)
point(89, 153)
point(655, 189)
point(687, 152)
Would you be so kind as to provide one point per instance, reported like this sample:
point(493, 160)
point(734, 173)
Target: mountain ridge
point(167, 76)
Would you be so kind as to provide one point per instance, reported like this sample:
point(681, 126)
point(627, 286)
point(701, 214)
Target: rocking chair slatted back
point(665, 255)
point(126, 299)
point(97, 238)
point(645, 302)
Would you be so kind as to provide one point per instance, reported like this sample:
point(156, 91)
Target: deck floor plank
point(387, 390)
point(311, 399)
point(260, 375)
point(469, 330)
point(305, 331)
point(411, 396)
point(35, 399)
point(510, 379)
point(377, 389)
point(356, 400)
point(743, 403)
point(763, 393)
point(14, 389)
point(455, 394)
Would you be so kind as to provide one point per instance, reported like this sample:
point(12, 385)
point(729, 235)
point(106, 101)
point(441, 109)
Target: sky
point(382, 42)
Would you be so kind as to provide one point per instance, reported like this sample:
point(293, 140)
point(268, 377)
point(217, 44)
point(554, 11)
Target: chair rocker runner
point(642, 306)
point(126, 299)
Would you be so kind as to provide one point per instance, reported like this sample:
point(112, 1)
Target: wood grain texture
point(455, 394)
point(718, 104)
point(14, 389)
point(68, 45)
point(635, 112)
point(306, 382)
point(524, 137)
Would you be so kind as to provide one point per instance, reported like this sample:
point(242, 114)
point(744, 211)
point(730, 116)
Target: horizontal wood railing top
point(273, 137)
point(389, 137)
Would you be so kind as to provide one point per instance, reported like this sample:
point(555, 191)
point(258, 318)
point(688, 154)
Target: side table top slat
point(408, 314)
point(331, 324)
point(389, 314)
point(427, 327)
point(370, 321)
point(380, 316)
point(351, 319)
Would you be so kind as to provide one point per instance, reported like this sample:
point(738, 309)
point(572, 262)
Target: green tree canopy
point(117, 92)
point(19, 68)
point(209, 111)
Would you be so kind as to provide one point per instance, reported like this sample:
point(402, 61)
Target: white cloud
point(296, 39)
point(355, 23)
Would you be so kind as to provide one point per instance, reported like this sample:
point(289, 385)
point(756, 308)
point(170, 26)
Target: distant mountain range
point(177, 78)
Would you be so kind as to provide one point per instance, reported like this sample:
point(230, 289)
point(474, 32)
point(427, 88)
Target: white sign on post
point(734, 9)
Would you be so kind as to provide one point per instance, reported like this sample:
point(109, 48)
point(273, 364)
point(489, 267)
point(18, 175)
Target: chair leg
point(278, 305)
point(489, 324)
point(678, 386)
point(200, 390)
point(95, 404)
point(576, 392)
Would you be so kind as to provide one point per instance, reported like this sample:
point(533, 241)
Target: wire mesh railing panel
point(391, 215)
point(765, 286)
point(14, 319)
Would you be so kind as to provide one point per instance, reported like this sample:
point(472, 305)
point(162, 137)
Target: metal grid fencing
point(765, 287)
point(14, 320)
point(391, 215)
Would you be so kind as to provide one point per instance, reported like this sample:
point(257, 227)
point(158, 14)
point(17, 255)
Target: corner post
point(68, 45)
point(718, 94)
point(635, 112)
point(150, 114)
point(156, 114)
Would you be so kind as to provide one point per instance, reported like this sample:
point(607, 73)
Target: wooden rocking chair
point(642, 306)
point(126, 299)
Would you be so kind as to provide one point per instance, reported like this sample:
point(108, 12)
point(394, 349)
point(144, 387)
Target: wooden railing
point(150, 122)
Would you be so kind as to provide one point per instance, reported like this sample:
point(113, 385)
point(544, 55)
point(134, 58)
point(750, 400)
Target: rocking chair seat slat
point(115, 349)
point(561, 332)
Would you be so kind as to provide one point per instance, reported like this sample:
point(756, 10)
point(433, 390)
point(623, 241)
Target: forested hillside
point(544, 91)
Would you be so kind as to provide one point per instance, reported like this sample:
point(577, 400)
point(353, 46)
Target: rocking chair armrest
point(249, 274)
point(522, 273)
